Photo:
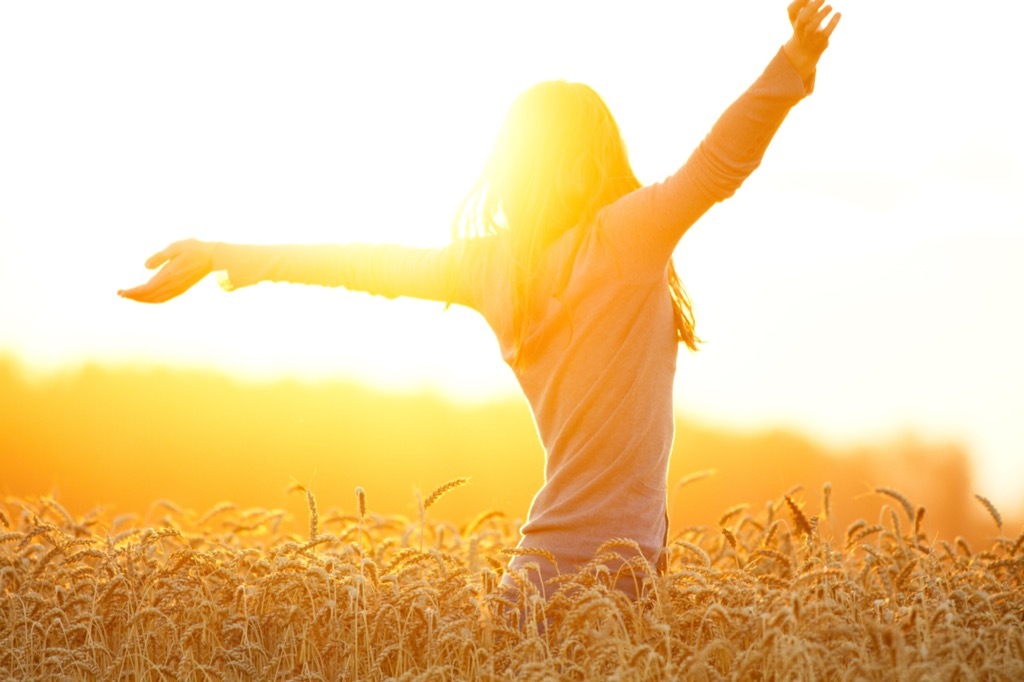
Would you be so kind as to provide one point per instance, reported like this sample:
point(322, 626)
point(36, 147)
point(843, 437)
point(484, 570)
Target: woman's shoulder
point(617, 232)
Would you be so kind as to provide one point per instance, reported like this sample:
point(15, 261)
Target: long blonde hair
point(558, 160)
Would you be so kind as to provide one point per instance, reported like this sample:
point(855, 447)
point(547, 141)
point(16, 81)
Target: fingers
point(819, 16)
point(833, 22)
point(800, 10)
point(808, 26)
point(161, 257)
point(140, 294)
point(161, 287)
point(794, 9)
point(805, 17)
point(147, 293)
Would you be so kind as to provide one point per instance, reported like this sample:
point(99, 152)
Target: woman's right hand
point(809, 38)
point(184, 263)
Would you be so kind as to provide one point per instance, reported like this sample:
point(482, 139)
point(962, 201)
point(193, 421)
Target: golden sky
point(865, 282)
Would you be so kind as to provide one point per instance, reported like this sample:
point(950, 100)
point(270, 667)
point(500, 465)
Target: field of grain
point(768, 593)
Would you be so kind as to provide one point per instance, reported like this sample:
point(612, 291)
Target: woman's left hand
point(184, 264)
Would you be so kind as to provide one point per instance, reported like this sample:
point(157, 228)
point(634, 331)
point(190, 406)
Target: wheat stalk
point(991, 509)
point(732, 512)
point(803, 526)
point(213, 605)
point(440, 491)
point(361, 501)
point(693, 478)
point(705, 559)
point(532, 551)
point(908, 508)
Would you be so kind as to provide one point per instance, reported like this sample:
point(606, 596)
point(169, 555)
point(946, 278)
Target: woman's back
point(597, 367)
point(597, 361)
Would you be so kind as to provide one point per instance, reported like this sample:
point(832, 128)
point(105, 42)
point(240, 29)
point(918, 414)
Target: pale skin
point(184, 263)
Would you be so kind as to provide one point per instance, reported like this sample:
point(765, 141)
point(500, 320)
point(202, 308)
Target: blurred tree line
point(123, 438)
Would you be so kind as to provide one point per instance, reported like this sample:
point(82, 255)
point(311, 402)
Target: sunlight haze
point(864, 284)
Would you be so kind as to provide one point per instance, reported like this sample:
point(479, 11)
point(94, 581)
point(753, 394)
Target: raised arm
point(651, 221)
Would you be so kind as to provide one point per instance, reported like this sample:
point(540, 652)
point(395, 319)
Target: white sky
point(865, 282)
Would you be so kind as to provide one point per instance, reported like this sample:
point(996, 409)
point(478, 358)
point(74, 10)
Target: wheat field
point(775, 593)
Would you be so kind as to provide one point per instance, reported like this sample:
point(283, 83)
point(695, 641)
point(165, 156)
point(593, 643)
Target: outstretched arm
point(438, 274)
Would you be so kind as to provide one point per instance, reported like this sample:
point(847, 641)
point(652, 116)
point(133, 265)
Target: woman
point(569, 261)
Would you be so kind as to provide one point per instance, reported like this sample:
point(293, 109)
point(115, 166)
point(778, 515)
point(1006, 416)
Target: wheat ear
point(436, 495)
point(361, 501)
point(908, 508)
point(991, 508)
point(802, 524)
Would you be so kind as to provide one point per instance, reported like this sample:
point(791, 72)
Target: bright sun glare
point(132, 125)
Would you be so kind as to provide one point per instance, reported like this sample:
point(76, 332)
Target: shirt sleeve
point(649, 222)
point(436, 274)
